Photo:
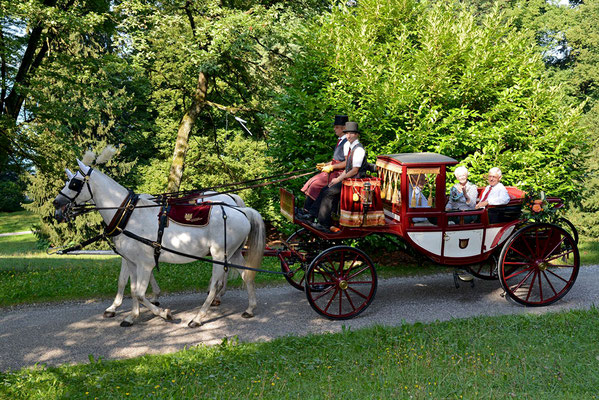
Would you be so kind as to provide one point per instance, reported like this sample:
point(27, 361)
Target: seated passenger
point(462, 196)
point(495, 194)
point(329, 170)
point(416, 198)
point(355, 167)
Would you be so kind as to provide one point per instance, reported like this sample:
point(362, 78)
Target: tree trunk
point(182, 144)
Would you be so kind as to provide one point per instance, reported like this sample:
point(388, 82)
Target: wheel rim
point(306, 246)
point(341, 282)
point(539, 264)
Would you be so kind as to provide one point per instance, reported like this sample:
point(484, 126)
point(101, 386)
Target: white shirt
point(359, 153)
point(497, 196)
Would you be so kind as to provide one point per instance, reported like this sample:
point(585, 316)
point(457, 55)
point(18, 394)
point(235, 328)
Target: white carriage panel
point(463, 243)
point(429, 241)
point(492, 233)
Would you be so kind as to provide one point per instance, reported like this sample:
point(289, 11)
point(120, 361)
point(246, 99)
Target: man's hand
point(482, 204)
point(320, 166)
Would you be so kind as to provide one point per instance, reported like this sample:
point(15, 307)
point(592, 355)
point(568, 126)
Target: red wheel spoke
point(358, 293)
point(538, 274)
point(518, 273)
point(326, 309)
point(532, 284)
point(519, 252)
point(556, 275)
point(554, 248)
point(516, 263)
point(358, 272)
point(522, 281)
point(547, 241)
point(549, 282)
point(560, 255)
point(349, 300)
point(530, 251)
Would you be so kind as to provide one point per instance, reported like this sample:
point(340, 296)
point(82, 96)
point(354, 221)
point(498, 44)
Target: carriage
point(535, 263)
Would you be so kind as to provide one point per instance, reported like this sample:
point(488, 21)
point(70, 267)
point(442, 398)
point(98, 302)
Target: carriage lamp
point(367, 194)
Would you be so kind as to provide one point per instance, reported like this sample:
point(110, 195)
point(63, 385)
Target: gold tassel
point(384, 177)
point(389, 194)
point(395, 190)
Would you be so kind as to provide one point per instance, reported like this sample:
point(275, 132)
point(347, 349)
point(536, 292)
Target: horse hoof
point(156, 303)
point(247, 315)
point(215, 303)
point(193, 324)
point(169, 316)
point(109, 314)
point(126, 324)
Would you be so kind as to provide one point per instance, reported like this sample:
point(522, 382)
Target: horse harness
point(119, 221)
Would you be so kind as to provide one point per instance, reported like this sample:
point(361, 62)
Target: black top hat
point(351, 127)
point(340, 119)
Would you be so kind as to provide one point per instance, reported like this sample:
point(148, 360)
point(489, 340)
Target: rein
point(159, 198)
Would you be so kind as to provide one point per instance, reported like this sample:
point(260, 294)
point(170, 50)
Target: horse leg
point(216, 284)
point(139, 295)
point(118, 300)
point(216, 302)
point(129, 319)
point(248, 278)
point(155, 290)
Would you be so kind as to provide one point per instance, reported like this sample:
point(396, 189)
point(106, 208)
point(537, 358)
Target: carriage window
point(422, 187)
point(390, 175)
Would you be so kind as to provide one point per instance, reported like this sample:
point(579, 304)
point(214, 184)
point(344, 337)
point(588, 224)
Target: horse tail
point(238, 200)
point(256, 239)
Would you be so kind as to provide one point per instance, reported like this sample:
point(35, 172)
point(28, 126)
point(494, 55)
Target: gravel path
point(55, 334)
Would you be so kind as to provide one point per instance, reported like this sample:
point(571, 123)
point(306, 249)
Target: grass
point(17, 221)
point(551, 356)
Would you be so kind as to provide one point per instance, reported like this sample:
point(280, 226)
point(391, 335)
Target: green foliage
point(427, 76)
point(12, 196)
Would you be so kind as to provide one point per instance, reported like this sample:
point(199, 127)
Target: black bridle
point(76, 185)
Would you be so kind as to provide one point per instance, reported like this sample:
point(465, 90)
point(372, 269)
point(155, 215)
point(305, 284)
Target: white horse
point(230, 225)
point(230, 199)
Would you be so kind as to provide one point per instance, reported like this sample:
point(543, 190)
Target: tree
point(430, 76)
point(227, 56)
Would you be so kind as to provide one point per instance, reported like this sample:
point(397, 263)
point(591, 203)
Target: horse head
point(76, 191)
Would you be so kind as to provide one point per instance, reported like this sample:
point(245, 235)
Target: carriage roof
point(420, 158)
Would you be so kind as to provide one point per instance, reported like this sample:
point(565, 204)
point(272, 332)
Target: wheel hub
point(343, 285)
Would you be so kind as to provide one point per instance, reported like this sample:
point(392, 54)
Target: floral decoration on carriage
point(536, 207)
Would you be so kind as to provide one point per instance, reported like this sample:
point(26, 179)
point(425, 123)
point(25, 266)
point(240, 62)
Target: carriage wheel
point(486, 270)
point(307, 246)
point(538, 264)
point(341, 282)
point(569, 227)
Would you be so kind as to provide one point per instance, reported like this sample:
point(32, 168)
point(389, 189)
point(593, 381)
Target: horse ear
point(70, 175)
point(84, 168)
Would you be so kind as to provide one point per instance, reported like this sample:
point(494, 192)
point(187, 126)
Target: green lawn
point(552, 356)
point(17, 221)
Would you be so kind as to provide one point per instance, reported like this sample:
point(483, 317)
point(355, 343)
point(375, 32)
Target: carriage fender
point(504, 233)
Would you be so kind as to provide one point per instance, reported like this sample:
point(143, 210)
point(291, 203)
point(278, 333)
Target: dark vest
point(338, 153)
point(350, 159)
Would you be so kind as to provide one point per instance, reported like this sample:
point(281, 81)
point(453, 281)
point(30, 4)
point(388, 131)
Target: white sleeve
point(346, 149)
point(358, 157)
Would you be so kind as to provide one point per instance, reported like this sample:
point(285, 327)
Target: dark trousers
point(327, 200)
